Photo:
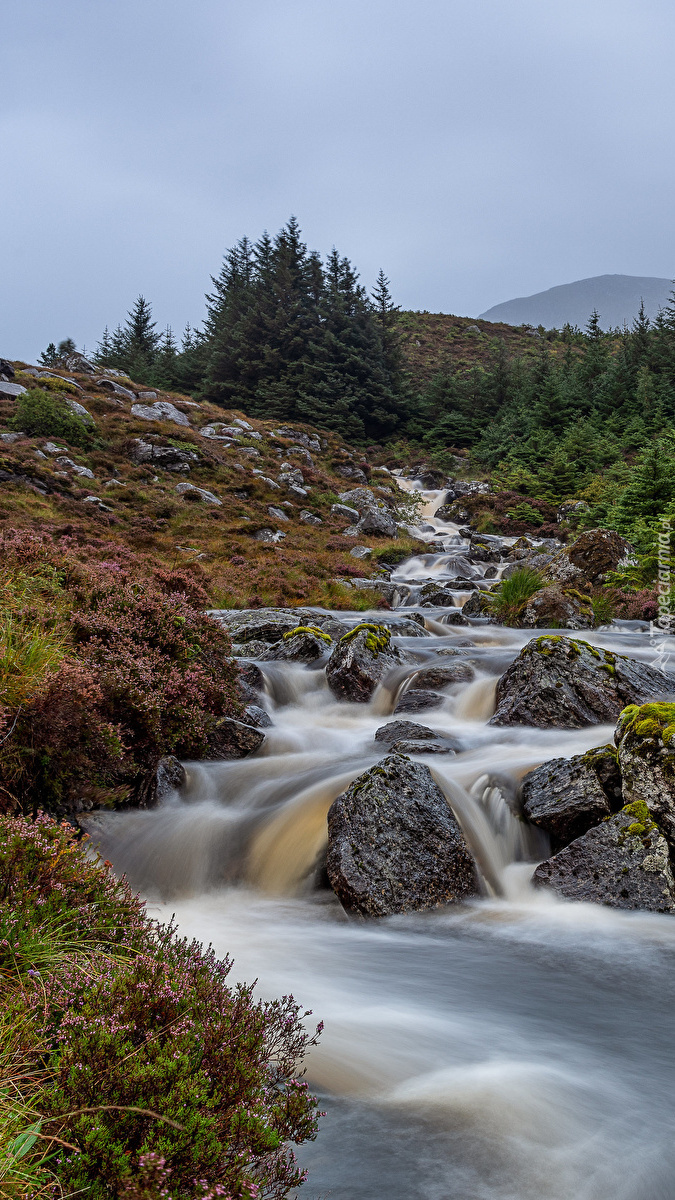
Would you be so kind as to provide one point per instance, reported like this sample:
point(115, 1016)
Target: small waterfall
point(477, 701)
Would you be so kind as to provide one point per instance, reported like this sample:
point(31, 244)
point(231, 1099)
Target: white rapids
point(516, 1048)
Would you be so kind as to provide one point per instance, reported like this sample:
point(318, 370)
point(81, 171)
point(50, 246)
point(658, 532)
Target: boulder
point(310, 518)
point(394, 845)
point(378, 523)
point(442, 676)
point(478, 605)
point(168, 457)
point(417, 700)
point(645, 737)
point(343, 510)
point(270, 624)
point(197, 493)
point(78, 410)
point(257, 716)
point(109, 385)
point(419, 746)
point(77, 362)
point(394, 731)
point(362, 499)
point(233, 739)
point(556, 607)
point(560, 682)
point(564, 798)
point(361, 552)
point(170, 778)
point(278, 513)
point(439, 598)
point(219, 432)
point(361, 660)
point(622, 862)
point(302, 644)
point(7, 370)
point(163, 410)
point(589, 559)
point(454, 617)
point(12, 389)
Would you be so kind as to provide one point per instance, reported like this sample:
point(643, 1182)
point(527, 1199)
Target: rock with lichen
point(305, 643)
point(589, 559)
point(394, 844)
point(556, 607)
point(566, 683)
point(622, 862)
point(645, 737)
point(361, 660)
point(564, 797)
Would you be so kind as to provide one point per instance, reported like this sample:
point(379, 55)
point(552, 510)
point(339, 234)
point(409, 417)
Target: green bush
point(513, 594)
point(42, 415)
point(137, 1054)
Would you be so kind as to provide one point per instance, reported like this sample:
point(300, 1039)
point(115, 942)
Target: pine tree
point(105, 354)
point(139, 340)
point(65, 349)
point(49, 357)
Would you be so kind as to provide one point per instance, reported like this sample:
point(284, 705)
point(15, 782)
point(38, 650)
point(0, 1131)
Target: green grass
point(513, 594)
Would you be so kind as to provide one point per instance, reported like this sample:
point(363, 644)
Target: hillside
point(431, 341)
point(124, 479)
point(615, 297)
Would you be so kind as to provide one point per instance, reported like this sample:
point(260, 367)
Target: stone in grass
point(360, 552)
point(394, 845)
point(163, 410)
point(564, 798)
point(278, 514)
point(560, 682)
point(622, 862)
point(343, 510)
point(361, 660)
point(197, 493)
point(310, 518)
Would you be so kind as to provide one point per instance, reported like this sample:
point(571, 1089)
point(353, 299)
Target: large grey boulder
point(362, 499)
point(564, 797)
point(589, 558)
point(344, 511)
point(78, 410)
point(197, 493)
point(168, 457)
point(622, 862)
point(270, 624)
point(555, 607)
point(645, 737)
point(11, 389)
point(377, 522)
point(560, 682)
point(394, 845)
point(361, 660)
point(109, 385)
point(163, 410)
point(302, 644)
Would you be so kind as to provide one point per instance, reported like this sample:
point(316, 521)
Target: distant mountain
point(616, 298)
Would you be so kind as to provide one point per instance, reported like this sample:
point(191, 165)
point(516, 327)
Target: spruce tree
point(49, 357)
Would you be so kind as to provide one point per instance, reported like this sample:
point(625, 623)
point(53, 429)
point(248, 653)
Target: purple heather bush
point(168, 1081)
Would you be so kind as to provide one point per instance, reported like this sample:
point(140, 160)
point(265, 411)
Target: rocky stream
point(492, 1038)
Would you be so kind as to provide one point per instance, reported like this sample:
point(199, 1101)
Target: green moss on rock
point(310, 629)
point(377, 639)
point(656, 721)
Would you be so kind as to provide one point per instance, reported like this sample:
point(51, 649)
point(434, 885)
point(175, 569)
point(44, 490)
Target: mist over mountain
point(616, 298)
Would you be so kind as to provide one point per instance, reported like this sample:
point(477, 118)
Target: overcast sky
point(476, 149)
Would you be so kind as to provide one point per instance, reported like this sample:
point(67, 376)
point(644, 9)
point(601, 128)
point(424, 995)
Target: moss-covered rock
point(394, 845)
point(567, 683)
point(564, 797)
point(361, 660)
point(622, 862)
point(557, 607)
point(589, 559)
point(645, 736)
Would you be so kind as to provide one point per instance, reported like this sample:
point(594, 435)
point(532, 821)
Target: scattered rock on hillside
point(78, 410)
point(394, 845)
point(11, 389)
point(561, 682)
point(343, 510)
point(302, 644)
point(376, 522)
point(362, 499)
point(219, 432)
point(163, 410)
point(589, 559)
point(360, 551)
point(77, 362)
point(233, 739)
point(199, 493)
point(168, 457)
point(361, 660)
point(645, 738)
point(622, 862)
point(310, 518)
point(556, 607)
point(64, 461)
point(564, 798)
point(109, 385)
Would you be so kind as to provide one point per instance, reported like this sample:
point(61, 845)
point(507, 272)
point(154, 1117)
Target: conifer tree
point(49, 357)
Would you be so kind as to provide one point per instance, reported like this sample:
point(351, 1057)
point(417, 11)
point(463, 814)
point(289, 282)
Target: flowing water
point(516, 1048)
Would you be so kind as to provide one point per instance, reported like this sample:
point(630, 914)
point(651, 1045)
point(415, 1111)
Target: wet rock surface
point(303, 644)
point(443, 676)
point(394, 845)
point(623, 863)
point(645, 738)
point(558, 607)
point(233, 739)
point(361, 660)
point(567, 683)
point(418, 700)
point(564, 798)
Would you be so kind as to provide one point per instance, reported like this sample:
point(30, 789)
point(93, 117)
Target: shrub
point(114, 664)
point(512, 595)
point(142, 1057)
point(604, 608)
point(46, 416)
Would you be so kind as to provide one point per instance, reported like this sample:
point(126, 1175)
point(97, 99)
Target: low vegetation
point(128, 1066)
